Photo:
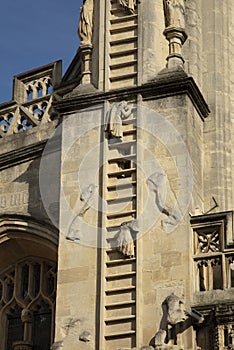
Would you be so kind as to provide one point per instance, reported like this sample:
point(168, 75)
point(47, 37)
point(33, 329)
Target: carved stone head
point(175, 309)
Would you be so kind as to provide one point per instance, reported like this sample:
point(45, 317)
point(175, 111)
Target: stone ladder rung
point(123, 29)
point(120, 215)
point(120, 319)
point(123, 41)
point(119, 305)
point(125, 18)
point(121, 144)
point(125, 157)
point(121, 172)
point(121, 186)
point(120, 262)
point(120, 290)
point(121, 199)
point(129, 121)
point(123, 65)
point(123, 53)
point(120, 334)
point(129, 132)
point(123, 77)
point(120, 275)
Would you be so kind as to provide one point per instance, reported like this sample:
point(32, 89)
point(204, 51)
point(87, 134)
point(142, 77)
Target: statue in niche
point(158, 184)
point(128, 5)
point(86, 199)
point(85, 28)
point(174, 12)
point(125, 240)
point(117, 112)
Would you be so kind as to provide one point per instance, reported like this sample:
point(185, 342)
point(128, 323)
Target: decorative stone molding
point(32, 100)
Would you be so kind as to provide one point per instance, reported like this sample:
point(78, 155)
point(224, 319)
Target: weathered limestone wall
point(166, 264)
point(192, 49)
point(153, 46)
point(20, 166)
point(78, 276)
point(208, 59)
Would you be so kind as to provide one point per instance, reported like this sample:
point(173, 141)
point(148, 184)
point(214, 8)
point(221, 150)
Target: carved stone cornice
point(169, 82)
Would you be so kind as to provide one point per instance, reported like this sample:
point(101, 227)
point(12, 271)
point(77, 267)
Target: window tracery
point(27, 304)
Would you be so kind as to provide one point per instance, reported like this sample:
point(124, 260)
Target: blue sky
point(34, 33)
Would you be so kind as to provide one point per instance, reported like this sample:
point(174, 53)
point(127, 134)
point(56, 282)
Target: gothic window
point(27, 304)
point(213, 254)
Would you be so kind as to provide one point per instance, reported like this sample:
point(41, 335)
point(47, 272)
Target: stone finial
point(174, 13)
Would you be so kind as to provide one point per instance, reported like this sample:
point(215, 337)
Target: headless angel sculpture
point(159, 185)
point(85, 29)
point(86, 199)
point(174, 11)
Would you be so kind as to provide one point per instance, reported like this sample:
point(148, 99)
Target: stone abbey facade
point(116, 192)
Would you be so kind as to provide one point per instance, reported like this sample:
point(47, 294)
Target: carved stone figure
point(117, 112)
point(125, 240)
point(174, 11)
point(160, 337)
point(175, 309)
point(86, 199)
point(128, 5)
point(85, 29)
point(159, 185)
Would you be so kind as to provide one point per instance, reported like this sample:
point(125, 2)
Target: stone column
point(86, 65)
point(176, 38)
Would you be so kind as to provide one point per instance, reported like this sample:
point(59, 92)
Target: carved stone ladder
point(123, 30)
point(120, 271)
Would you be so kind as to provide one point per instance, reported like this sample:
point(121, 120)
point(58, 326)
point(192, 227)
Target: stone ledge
point(169, 82)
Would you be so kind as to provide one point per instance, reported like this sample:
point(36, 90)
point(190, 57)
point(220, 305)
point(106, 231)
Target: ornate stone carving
point(85, 28)
point(125, 240)
point(174, 11)
point(85, 202)
point(159, 185)
point(117, 112)
point(208, 242)
point(129, 5)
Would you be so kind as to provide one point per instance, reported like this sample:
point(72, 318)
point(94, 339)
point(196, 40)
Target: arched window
point(27, 304)
point(28, 270)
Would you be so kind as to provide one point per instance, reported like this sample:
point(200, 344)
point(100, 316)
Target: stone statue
point(129, 5)
point(160, 337)
point(117, 112)
point(174, 11)
point(86, 199)
point(125, 241)
point(173, 313)
point(85, 29)
point(164, 200)
point(175, 309)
